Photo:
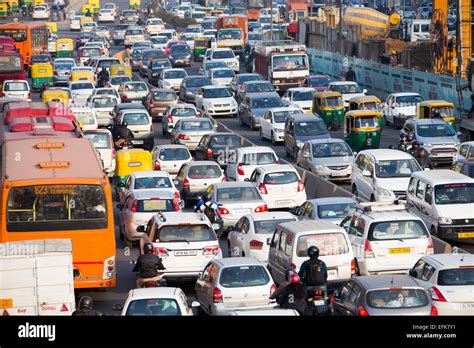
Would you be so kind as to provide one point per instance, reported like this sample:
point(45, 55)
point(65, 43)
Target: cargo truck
point(232, 32)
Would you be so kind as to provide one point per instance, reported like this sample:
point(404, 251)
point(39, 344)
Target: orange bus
point(57, 188)
point(30, 37)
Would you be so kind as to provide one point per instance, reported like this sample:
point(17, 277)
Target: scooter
point(318, 300)
point(24, 11)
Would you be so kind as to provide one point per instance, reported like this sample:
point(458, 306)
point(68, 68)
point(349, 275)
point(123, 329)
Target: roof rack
point(367, 207)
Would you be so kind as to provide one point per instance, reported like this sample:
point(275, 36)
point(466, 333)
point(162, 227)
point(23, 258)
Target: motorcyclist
point(140, 21)
point(293, 295)
point(88, 13)
point(103, 77)
point(85, 308)
point(415, 145)
point(210, 208)
point(423, 159)
point(122, 134)
point(148, 266)
point(314, 272)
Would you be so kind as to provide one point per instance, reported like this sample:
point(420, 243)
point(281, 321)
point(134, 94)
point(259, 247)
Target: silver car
point(332, 209)
point(133, 91)
point(119, 33)
point(174, 113)
point(189, 132)
point(62, 70)
point(170, 158)
point(329, 158)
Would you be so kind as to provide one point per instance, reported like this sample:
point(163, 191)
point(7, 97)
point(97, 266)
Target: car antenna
point(391, 282)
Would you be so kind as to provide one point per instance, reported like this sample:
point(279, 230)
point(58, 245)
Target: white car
point(75, 22)
point(272, 124)
point(81, 90)
point(171, 78)
point(111, 6)
point(450, 279)
point(86, 117)
point(300, 96)
point(251, 234)
point(159, 42)
point(16, 89)
point(225, 55)
point(189, 38)
point(382, 174)
point(41, 12)
point(103, 105)
point(170, 158)
point(117, 80)
point(182, 9)
point(216, 101)
point(52, 43)
point(348, 89)
point(221, 76)
point(195, 30)
point(280, 185)
point(398, 107)
point(465, 151)
point(176, 112)
point(133, 35)
point(247, 159)
point(103, 143)
point(159, 301)
point(106, 16)
point(154, 26)
point(140, 123)
point(88, 27)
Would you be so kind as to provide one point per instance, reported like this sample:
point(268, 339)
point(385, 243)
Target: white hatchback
point(154, 26)
point(103, 143)
point(348, 89)
point(247, 159)
point(171, 78)
point(17, 89)
point(81, 91)
point(300, 96)
point(106, 15)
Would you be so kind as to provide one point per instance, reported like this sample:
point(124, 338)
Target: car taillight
point(256, 244)
point(300, 185)
point(429, 247)
point(29, 95)
point(152, 104)
point(224, 179)
point(272, 289)
point(160, 251)
point(170, 119)
point(240, 169)
point(157, 165)
point(186, 183)
point(278, 162)
point(55, 73)
point(113, 151)
point(183, 137)
point(209, 153)
point(198, 114)
point(436, 294)
point(263, 189)
point(353, 266)
point(362, 312)
point(134, 206)
point(216, 295)
point(434, 311)
point(151, 128)
point(102, 52)
point(261, 209)
point(293, 266)
point(176, 205)
point(368, 252)
point(124, 97)
point(211, 250)
point(223, 211)
point(176, 195)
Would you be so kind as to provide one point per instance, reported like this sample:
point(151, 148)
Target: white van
point(444, 200)
point(420, 30)
point(290, 243)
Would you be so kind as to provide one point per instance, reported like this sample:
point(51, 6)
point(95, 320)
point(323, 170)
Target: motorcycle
point(24, 11)
point(103, 82)
point(318, 300)
point(152, 283)
point(121, 144)
point(213, 215)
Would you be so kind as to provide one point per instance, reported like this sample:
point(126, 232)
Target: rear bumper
point(219, 309)
point(453, 308)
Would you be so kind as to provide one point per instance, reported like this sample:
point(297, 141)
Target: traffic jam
point(180, 159)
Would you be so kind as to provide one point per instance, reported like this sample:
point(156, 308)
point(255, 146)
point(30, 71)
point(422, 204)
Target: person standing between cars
point(85, 308)
point(314, 272)
point(393, 58)
point(423, 159)
point(350, 75)
point(148, 266)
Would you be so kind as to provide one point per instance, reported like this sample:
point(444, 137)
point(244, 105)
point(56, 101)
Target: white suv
point(225, 55)
point(186, 242)
point(17, 89)
point(399, 107)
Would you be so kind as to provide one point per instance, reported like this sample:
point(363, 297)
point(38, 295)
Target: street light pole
point(271, 22)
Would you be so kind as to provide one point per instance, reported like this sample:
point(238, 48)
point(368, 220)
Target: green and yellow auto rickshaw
point(362, 129)
point(330, 106)
point(65, 48)
point(201, 44)
point(41, 75)
point(367, 102)
point(85, 9)
point(95, 5)
point(120, 69)
point(436, 109)
point(129, 161)
point(14, 5)
point(4, 12)
point(134, 4)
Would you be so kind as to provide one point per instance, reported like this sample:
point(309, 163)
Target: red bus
point(11, 66)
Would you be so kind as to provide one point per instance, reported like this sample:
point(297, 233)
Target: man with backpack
point(313, 272)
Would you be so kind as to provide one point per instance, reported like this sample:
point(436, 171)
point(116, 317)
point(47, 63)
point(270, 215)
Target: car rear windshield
point(186, 233)
point(174, 154)
point(135, 87)
point(259, 158)
point(224, 54)
point(331, 150)
point(243, 276)
point(153, 307)
point(15, 86)
point(183, 112)
point(156, 205)
point(245, 78)
point(396, 168)
point(224, 73)
point(196, 125)
point(136, 119)
point(456, 276)
point(328, 244)
point(175, 74)
point(397, 298)
point(303, 95)
point(310, 128)
point(230, 141)
point(118, 80)
point(90, 52)
point(217, 93)
point(107, 63)
point(454, 194)
point(82, 85)
point(152, 183)
point(100, 140)
point(134, 32)
point(230, 194)
point(104, 102)
point(204, 172)
point(159, 64)
point(332, 211)
point(319, 81)
point(435, 130)
point(158, 96)
point(159, 40)
point(63, 65)
point(180, 49)
point(270, 102)
point(280, 178)
point(269, 226)
point(198, 82)
point(259, 87)
point(397, 230)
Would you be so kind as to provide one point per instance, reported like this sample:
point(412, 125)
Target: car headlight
point(189, 93)
point(188, 56)
point(457, 143)
point(318, 167)
point(382, 191)
point(299, 143)
point(445, 221)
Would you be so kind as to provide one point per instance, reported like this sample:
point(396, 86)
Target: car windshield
point(281, 116)
point(156, 21)
point(134, 32)
point(339, 149)
point(204, 172)
point(397, 230)
point(244, 78)
point(107, 63)
point(211, 65)
point(259, 87)
point(153, 307)
point(164, 96)
point(255, 37)
point(180, 49)
point(435, 130)
point(118, 80)
point(281, 178)
point(370, 106)
point(160, 64)
point(266, 102)
point(454, 194)
point(268, 226)
point(310, 128)
point(174, 154)
point(104, 102)
point(366, 122)
point(243, 276)
point(135, 87)
point(258, 158)
point(129, 13)
point(232, 194)
point(198, 82)
point(183, 111)
point(187, 37)
point(409, 100)
point(15, 86)
point(40, 58)
point(346, 89)
point(290, 62)
point(155, 53)
point(175, 74)
point(397, 298)
point(224, 73)
point(328, 244)
point(196, 125)
point(152, 182)
point(319, 81)
point(442, 111)
point(396, 168)
point(159, 40)
point(136, 119)
point(186, 233)
point(90, 52)
point(217, 93)
point(63, 65)
point(333, 211)
point(228, 35)
point(231, 141)
point(225, 54)
point(456, 276)
point(100, 140)
point(302, 95)
point(82, 85)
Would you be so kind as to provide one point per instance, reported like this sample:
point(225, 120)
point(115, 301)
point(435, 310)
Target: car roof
point(251, 149)
point(228, 184)
point(387, 281)
point(145, 293)
point(151, 174)
point(343, 83)
point(124, 106)
point(332, 200)
point(304, 118)
point(301, 89)
point(427, 121)
point(442, 176)
point(263, 95)
point(405, 94)
point(387, 154)
point(256, 81)
point(214, 87)
point(276, 168)
point(451, 260)
point(270, 216)
point(153, 193)
point(318, 226)
point(238, 261)
point(172, 146)
point(325, 140)
point(184, 217)
point(203, 163)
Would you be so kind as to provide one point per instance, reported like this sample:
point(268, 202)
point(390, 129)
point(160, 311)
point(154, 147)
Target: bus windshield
point(10, 63)
point(18, 35)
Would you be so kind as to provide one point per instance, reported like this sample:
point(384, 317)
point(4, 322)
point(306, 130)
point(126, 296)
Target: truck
point(36, 277)
point(283, 62)
point(232, 32)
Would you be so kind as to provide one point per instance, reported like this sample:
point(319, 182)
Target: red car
point(172, 43)
point(318, 82)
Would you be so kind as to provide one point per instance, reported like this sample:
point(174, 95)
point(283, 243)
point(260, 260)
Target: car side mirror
point(412, 273)
point(141, 228)
point(367, 174)
point(195, 304)
point(269, 241)
point(247, 179)
point(117, 307)
point(459, 134)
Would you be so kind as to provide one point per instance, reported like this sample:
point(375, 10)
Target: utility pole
point(340, 27)
point(271, 22)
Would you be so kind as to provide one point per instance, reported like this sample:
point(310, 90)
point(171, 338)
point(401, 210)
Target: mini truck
point(284, 63)
point(232, 32)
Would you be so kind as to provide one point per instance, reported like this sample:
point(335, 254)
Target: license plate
point(242, 211)
point(185, 253)
point(137, 141)
point(282, 203)
point(319, 303)
point(466, 235)
point(399, 250)
point(338, 174)
point(467, 305)
point(332, 274)
point(6, 302)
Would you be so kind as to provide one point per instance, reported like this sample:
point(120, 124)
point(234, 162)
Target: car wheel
point(354, 191)
point(272, 136)
point(372, 198)
point(357, 269)
point(434, 231)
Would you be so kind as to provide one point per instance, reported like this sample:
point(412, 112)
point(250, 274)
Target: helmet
point(85, 302)
point(415, 143)
point(148, 248)
point(295, 278)
point(125, 123)
point(313, 251)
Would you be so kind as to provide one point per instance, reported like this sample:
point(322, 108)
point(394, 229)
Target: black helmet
point(85, 302)
point(415, 143)
point(313, 251)
point(148, 248)
point(125, 123)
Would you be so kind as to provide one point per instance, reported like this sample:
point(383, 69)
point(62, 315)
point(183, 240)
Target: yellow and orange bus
point(30, 37)
point(56, 188)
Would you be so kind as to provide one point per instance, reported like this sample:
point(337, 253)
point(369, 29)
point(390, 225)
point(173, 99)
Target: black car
point(155, 67)
point(218, 147)
point(83, 38)
point(239, 79)
point(180, 54)
point(190, 86)
point(146, 56)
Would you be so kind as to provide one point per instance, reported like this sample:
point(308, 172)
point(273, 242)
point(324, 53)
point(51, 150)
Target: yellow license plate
point(6, 303)
point(466, 235)
point(399, 251)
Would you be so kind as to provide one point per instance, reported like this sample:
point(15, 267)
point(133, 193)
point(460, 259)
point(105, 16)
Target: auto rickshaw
point(201, 44)
point(14, 5)
point(41, 74)
point(362, 129)
point(120, 69)
point(4, 10)
point(65, 48)
point(330, 106)
point(38, 2)
point(95, 5)
point(84, 19)
point(134, 4)
point(367, 102)
point(79, 75)
point(52, 27)
point(84, 10)
point(130, 161)
point(55, 95)
point(28, 2)
point(217, 13)
point(436, 109)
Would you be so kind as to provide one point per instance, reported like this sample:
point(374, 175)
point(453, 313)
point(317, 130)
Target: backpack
point(315, 274)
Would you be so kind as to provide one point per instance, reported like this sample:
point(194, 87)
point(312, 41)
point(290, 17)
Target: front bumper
point(456, 232)
point(335, 175)
point(222, 111)
point(219, 309)
point(183, 61)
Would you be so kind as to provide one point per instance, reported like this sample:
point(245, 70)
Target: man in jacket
point(148, 266)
